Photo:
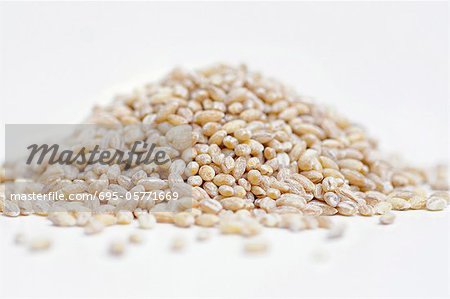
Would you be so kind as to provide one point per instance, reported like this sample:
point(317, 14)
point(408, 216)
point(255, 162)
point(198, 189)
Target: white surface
point(405, 259)
point(382, 64)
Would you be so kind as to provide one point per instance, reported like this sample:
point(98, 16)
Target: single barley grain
point(11, 209)
point(418, 202)
point(232, 203)
point(40, 244)
point(442, 194)
point(387, 218)
point(163, 217)
point(83, 218)
point(106, 219)
point(20, 239)
point(203, 235)
point(346, 208)
point(382, 207)
point(207, 220)
point(258, 246)
point(184, 219)
point(124, 217)
point(269, 220)
point(178, 244)
point(336, 231)
point(210, 206)
point(117, 248)
point(136, 238)
point(399, 203)
point(435, 203)
point(146, 221)
point(231, 226)
point(62, 219)
point(207, 173)
point(93, 227)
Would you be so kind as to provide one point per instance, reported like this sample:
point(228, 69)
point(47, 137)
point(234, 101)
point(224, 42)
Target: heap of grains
point(245, 152)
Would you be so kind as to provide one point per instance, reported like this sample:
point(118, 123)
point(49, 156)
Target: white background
point(384, 65)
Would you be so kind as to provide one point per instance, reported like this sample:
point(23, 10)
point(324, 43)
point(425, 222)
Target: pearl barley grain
point(435, 203)
point(124, 217)
point(184, 219)
point(136, 238)
point(258, 246)
point(39, 244)
point(178, 244)
point(117, 248)
point(207, 173)
point(387, 218)
point(93, 227)
point(20, 239)
point(203, 235)
point(146, 221)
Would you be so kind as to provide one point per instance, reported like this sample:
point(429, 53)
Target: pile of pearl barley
point(247, 152)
